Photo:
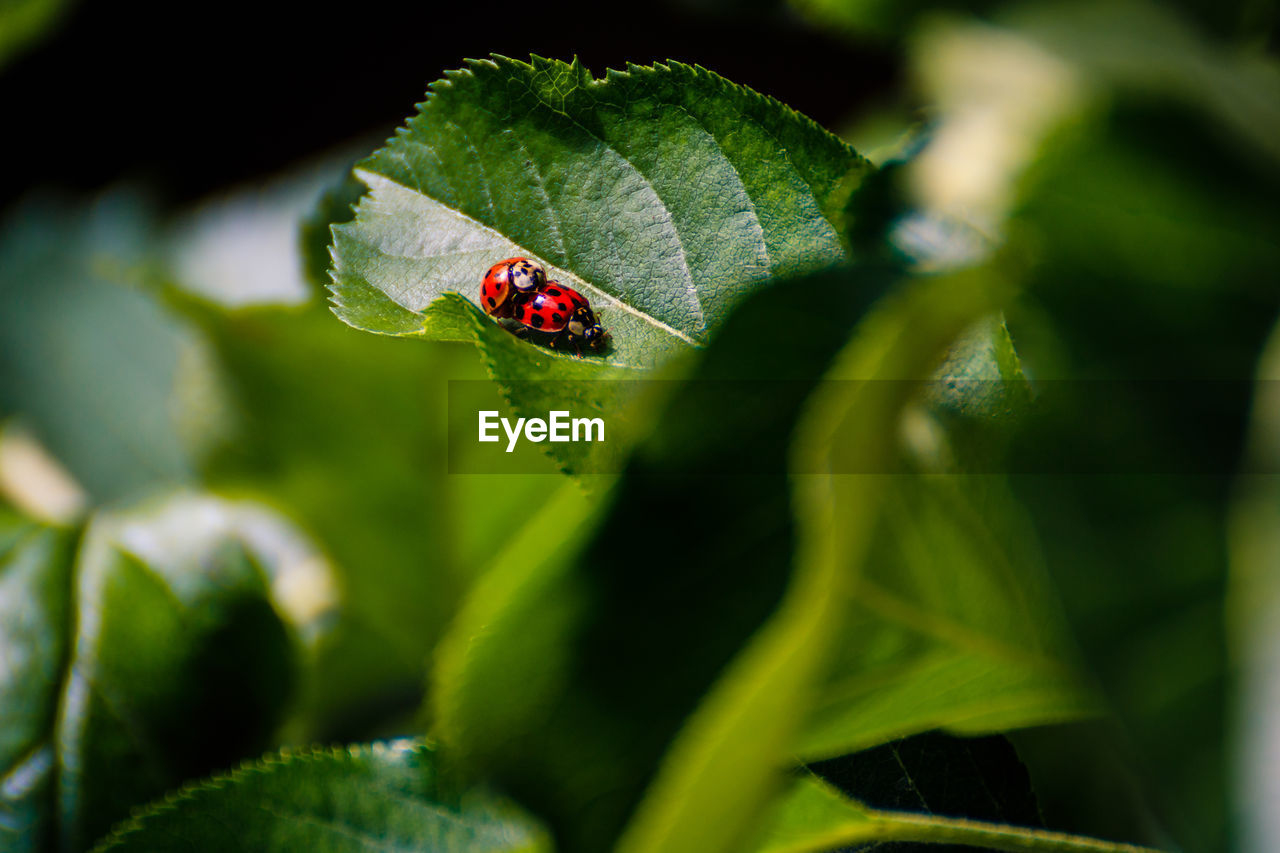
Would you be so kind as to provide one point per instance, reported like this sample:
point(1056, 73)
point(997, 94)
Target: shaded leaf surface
point(816, 817)
point(350, 431)
point(1183, 233)
point(725, 764)
point(933, 773)
point(35, 582)
point(126, 649)
point(664, 194)
point(635, 635)
point(188, 641)
point(951, 623)
point(378, 797)
point(949, 620)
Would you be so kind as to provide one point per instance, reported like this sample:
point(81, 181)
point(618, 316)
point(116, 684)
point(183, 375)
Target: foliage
point(132, 632)
point(901, 462)
point(381, 797)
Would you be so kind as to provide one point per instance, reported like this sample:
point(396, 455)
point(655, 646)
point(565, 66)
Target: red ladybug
point(561, 317)
point(507, 282)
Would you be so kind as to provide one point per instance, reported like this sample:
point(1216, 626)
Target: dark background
point(191, 98)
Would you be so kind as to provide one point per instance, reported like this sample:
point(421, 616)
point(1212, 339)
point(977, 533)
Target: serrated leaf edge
point(267, 763)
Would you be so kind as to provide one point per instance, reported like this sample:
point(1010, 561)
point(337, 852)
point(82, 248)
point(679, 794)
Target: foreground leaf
point(378, 797)
point(663, 193)
point(1155, 271)
point(153, 654)
point(353, 433)
point(690, 559)
point(947, 618)
point(952, 623)
point(725, 764)
point(35, 584)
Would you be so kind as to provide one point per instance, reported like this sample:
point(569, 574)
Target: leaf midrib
point(368, 177)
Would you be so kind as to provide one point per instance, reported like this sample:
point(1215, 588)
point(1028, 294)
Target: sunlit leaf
point(663, 193)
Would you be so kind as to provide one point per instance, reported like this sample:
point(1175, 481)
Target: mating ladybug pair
point(546, 311)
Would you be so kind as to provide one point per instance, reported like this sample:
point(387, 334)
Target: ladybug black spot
point(553, 291)
point(536, 321)
point(492, 302)
point(564, 307)
point(557, 318)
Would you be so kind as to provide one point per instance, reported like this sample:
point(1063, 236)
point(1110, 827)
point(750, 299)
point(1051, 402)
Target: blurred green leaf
point(116, 388)
point(951, 623)
point(354, 436)
point(1146, 49)
point(815, 817)
point(383, 797)
point(346, 432)
point(181, 663)
point(947, 618)
point(35, 606)
point(154, 654)
point(351, 434)
point(23, 23)
point(724, 765)
point(663, 193)
point(336, 205)
point(1253, 614)
point(932, 773)
point(621, 643)
point(1155, 278)
point(860, 19)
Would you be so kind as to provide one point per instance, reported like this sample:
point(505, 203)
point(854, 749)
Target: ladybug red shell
point(506, 281)
point(563, 313)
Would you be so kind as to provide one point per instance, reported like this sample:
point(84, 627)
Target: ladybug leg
point(521, 332)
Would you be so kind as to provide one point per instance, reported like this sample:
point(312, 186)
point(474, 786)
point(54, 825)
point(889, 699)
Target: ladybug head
point(584, 326)
point(525, 275)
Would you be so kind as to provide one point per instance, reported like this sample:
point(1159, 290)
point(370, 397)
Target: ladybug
point(507, 283)
point(561, 317)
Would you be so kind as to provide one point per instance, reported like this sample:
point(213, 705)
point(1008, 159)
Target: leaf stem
point(899, 826)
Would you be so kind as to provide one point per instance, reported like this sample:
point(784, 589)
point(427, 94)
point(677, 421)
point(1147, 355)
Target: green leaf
point(1254, 601)
point(1154, 289)
point(665, 194)
point(336, 206)
point(362, 798)
point(35, 583)
point(815, 817)
point(619, 643)
point(1143, 48)
point(153, 654)
point(353, 434)
point(115, 387)
point(724, 766)
point(951, 622)
point(536, 381)
point(176, 634)
point(947, 618)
